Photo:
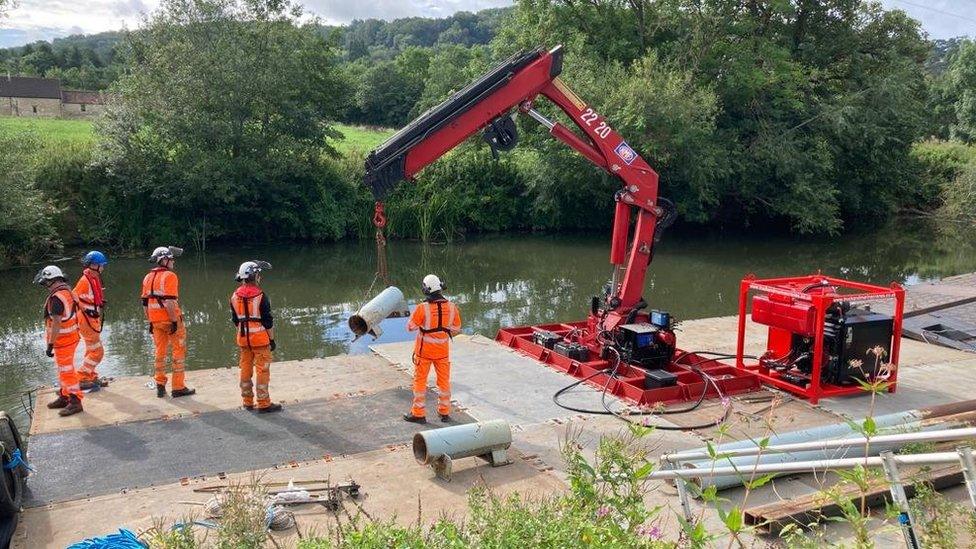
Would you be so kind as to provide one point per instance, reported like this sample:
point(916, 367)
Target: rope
point(16, 460)
point(124, 539)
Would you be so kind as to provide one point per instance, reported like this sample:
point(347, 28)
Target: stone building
point(44, 97)
point(81, 103)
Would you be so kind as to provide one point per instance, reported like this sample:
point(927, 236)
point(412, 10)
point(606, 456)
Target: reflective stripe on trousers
point(442, 370)
point(255, 362)
point(64, 358)
point(164, 341)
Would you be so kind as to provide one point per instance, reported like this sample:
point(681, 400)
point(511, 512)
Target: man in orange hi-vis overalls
point(61, 337)
point(91, 301)
point(160, 299)
point(250, 311)
point(438, 320)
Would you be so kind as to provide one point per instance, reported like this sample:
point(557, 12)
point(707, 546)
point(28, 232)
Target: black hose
point(613, 375)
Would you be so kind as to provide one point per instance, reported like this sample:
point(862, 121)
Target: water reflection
point(497, 281)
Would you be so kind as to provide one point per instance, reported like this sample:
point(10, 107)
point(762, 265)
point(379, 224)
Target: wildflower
point(602, 512)
point(856, 363)
point(878, 351)
point(652, 532)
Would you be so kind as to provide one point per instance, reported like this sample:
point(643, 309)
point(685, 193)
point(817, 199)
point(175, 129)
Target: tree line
point(812, 117)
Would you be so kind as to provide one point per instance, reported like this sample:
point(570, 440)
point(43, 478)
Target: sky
point(46, 19)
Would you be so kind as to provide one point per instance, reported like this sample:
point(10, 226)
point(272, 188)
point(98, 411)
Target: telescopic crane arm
point(490, 104)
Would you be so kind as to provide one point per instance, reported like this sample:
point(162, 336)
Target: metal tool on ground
point(438, 448)
point(389, 303)
point(621, 331)
point(823, 338)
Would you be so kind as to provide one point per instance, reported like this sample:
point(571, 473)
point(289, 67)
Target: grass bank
point(58, 132)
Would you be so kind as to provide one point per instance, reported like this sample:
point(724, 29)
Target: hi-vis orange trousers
point(163, 341)
point(442, 369)
point(64, 358)
point(94, 352)
point(256, 360)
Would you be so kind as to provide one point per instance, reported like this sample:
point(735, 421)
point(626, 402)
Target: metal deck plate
point(82, 463)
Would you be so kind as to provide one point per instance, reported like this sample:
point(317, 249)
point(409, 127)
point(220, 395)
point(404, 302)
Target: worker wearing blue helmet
point(91, 299)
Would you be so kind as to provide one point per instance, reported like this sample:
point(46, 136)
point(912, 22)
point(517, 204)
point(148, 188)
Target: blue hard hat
point(95, 257)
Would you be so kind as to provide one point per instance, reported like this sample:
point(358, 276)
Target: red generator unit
point(823, 338)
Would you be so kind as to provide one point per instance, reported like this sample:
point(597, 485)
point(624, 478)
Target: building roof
point(27, 86)
point(82, 97)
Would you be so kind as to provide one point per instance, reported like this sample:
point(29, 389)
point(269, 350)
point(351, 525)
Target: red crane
point(618, 324)
point(489, 104)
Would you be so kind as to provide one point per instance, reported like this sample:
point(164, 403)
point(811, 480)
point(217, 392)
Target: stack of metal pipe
point(947, 416)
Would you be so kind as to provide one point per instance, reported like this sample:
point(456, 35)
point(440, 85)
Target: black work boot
point(160, 391)
point(185, 391)
point(414, 419)
point(60, 402)
point(73, 407)
point(445, 418)
point(271, 408)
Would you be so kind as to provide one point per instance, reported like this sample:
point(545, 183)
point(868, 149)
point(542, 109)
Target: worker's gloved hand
point(273, 345)
point(173, 326)
point(50, 349)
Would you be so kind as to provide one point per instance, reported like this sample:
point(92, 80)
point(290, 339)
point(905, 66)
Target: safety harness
point(97, 302)
point(440, 322)
point(153, 294)
point(244, 322)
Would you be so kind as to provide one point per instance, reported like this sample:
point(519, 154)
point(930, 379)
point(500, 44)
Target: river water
point(496, 281)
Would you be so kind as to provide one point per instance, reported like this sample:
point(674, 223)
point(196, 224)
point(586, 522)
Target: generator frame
point(786, 287)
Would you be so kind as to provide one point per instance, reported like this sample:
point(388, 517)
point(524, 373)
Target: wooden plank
point(771, 518)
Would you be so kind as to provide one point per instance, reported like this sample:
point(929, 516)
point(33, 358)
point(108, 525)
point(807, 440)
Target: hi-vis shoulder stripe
point(569, 93)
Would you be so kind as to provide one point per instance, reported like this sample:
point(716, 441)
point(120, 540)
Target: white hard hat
point(432, 284)
point(48, 273)
point(250, 268)
point(165, 252)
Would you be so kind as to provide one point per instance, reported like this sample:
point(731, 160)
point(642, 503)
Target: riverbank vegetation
point(851, 116)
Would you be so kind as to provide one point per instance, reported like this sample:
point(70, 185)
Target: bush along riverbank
point(816, 140)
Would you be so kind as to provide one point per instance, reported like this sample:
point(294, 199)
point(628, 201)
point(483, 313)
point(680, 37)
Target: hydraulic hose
point(625, 417)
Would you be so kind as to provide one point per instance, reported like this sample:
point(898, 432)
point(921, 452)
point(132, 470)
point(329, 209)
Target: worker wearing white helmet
point(436, 320)
point(161, 302)
point(61, 337)
point(250, 311)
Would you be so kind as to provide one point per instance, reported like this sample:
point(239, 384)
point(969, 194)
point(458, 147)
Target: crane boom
point(489, 104)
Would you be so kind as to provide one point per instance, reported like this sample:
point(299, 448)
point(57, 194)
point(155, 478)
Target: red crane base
point(629, 383)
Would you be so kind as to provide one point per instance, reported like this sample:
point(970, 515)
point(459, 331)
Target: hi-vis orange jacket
point(160, 285)
point(438, 322)
point(68, 334)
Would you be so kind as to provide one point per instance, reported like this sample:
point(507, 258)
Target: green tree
point(815, 104)
point(222, 126)
point(959, 93)
point(27, 228)
point(388, 90)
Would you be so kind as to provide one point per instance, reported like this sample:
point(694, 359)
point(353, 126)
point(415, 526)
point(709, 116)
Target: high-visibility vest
point(88, 291)
point(154, 294)
point(68, 333)
point(437, 324)
point(250, 332)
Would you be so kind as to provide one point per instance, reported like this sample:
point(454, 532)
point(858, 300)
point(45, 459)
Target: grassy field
point(51, 130)
point(55, 131)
